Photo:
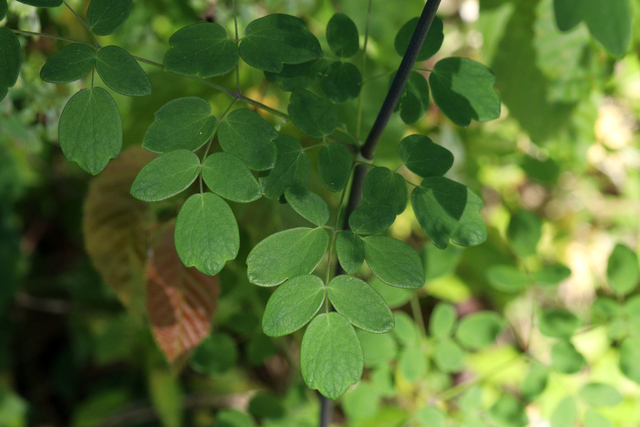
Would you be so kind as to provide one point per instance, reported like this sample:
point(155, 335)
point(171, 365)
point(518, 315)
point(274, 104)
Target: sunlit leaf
point(592, 418)
point(371, 219)
point(228, 177)
point(565, 413)
point(507, 278)
point(524, 232)
point(383, 187)
point(629, 356)
point(431, 416)
point(350, 251)
point(551, 275)
point(479, 330)
point(106, 16)
point(442, 321)
point(341, 82)
point(342, 36)
point(360, 304)
point(250, 137)
point(166, 176)
point(334, 166)
point(423, 157)
point(394, 262)
point(623, 271)
point(535, 382)
point(10, 60)
point(308, 204)
point(412, 362)
point(566, 359)
point(312, 114)
point(414, 100)
point(121, 72)
point(600, 394)
point(559, 323)
point(508, 412)
point(69, 64)
point(432, 43)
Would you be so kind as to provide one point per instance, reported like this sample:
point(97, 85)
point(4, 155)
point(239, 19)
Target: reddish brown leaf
point(180, 300)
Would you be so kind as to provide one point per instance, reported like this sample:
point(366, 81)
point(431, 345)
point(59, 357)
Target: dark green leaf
point(217, 353)
point(378, 349)
point(3, 9)
point(394, 262)
point(623, 271)
point(292, 305)
point(342, 36)
point(371, 219)
point(508, 412)
point(535, 382)
point(568, 13)
point(525, 230)
point(559, 323)
point(69, 64)
point(121, 72)
point(412, 363)
point(414, 100)
point(227, 176)
point(405, 331)
point(448, 356)
point(545, 171)
point(566, 359)
point(266, 405)
point(201, 49)
point(432, 43)
point(298, 76)
point(600, 394)
point(330, 355)
point(565, 413)
point(629, 356)
point(350, 251)
point(106, 16)
point(250, 137)
point(478, 330)
point(463, 89)
point(442, 321)
point(440, 262)
point(507, 278)
point(592, 418)
point(394, 297)
point(206, 233)
point(259, 349)
point(292, 167)
point(383, 187)
point(308, 204)
point(184, 123)
point(341, 82)
point(166, 176)
point(551, 275)
point(312, 114)
point(42, 3)
point(233, 418)
point(277, 39)
point(286, 254)
point(90, 129)
point(334, 166)
point(10, 60)
point(360, 304)
point(423, 157)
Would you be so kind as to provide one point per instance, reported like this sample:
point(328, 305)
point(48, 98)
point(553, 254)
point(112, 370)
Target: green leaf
point(277, 39)
point(412, 363)
point(334, 166)
point(121, 72)
point(603, 310)
point(286, 254)
point(432, 43)
point(551, 275)
point(371, 219)
point(183, 123)
point(480, 329)
point(592, 418)
point(217, 354)
point(201, 49)
point(259, 349)
point(341, 82)
point(447, 210)
point(623, 271)
point(440, 262)
point(430, 416)
point(394, 262)
point(508, 412)
point(206, 233)
point(293, 305)
point(350, 251)
point(69, 64)
point(312, 114)
point(463, 89)
point(378, 349)
point(629, 356)
point(250, 137)
point(330, 356)
point(166, 176)
point(361, 402)
point(3, 9)
point(405, 331)
point(383, 187)
point(535, 382)
point(342, 36)
point(559, 323)
point(423, 157)
point(471, 400)
point(566, 359)
point(292, 167)
point(308, 204)
point(228, 177)
point(442, 321)
point(42, 3)
point(106, 16)
point(565, 414)
point(233, 418)
point(448, 356)
point(298, 76)
point(600, 394)
point(525, 230)
point(90, 129)
point(360, 304)
point(10, 60)
point(414, 100)
point(266, 405)
point(394, 297)
point(507, 278)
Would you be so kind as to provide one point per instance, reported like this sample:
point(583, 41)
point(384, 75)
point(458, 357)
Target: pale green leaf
point(536, 381)
point(360, 304)
point(308, 204)
point(565, 413)
point(166, 396)
point(350, 251)
point(508, 412)
point(623, 271)
point(69, 64)
point(551, 275)
point(166, 176)
point(423, 157)
point(10, 60)
point(559, 323)
point(600, 394)
point(440, 262)
point(448, 356)
point(412, 362)
point(442, 321)
point(394, 297)
point(430, 416)
point(629, 356)
point(479, 329)
point(228, 177)
point(292, 167)
point(106, 16)
point(471, 400)
point(592, 418)
point(342, 36)
point(378, 349)
point(250, 137)
point(394, 262)
point(371, 219)
point(507, 278)
point(566, 359)
point(405, 330)
point(233, 418)
point(342, 82)
point(524, 232)
point(121, 72)
point(361, 402)
point(334, 166)
point(431, 44)
point(312, 114)
point(383, 187)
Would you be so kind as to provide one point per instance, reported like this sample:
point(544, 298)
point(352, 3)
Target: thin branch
point(363, 68)
point(83, 23)
point(51, 36)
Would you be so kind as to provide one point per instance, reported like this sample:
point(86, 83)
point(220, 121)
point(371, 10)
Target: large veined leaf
point(432, 43)
point(559, 323)
point(278, 39)
point(10, 60)
point(286, 254)
point(180, 301)
point(350, 251)
point(166, 176)
point(525, 230)
point(183, 123)
point(414, 100)
point(423, 157)
point(106, 16)
point(341, 82)
point(394, 262)
point(623, 272)
point(292, 305)
point(292, 167)
point(371, 219)
point(42, 3)
point(312, 114)
point(342, 36)
point(360, 304)
point(207, 233)
point(334, 166)
point(479, 329)
point(201, 49)
point(386, 188)
point(250, 137)
point(565, 413)
point(308, 204)
point(298, 76)
point(69, 64)
point(228, 177)
point(331, 356)
point(121, 72)
point(443, 320)
point(90, 129)
point(463, 89)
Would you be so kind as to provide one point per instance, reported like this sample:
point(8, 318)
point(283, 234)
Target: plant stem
point(362, 71)
point(83, 23)
point(51, 36)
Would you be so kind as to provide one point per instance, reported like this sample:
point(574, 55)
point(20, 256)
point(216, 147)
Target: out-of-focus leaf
point(350, 251)
point(559, 323)
point(566, 359)
point(623, 271)
point(121, 72)
point(525, 230)
point(13, 410)
point(10, 60)
point(383, 187)
point(508, 412)
point(216, 354)
point(479, 329)
point(266, 405)
point(394, 262)
point(69, 64)
point(341, 82)
point(3, 9)
point(405, 331)
point(334, 166)
point(228, 177)
point(507, 278)
point(535, 382)
point(292, 167)
point(430, 416)
point(250, 137)
point(432, 43)
point(600, 394)
point(312, 114)
point(448, 356)
point(592, 418)
point(378, 349)
point(629, 356)
point(342, 36)
point(443, 320)
point(166, 396)
point(565, 413)
point(440, 262)
point(360, 304)
point(394, 297)
point(308, 204)
point(42, 3)
point(361, 402)
point(106, 16)
point(423, 157)
point(412, 362)
point(551, 275)
point(166, 176)
point(233, 418)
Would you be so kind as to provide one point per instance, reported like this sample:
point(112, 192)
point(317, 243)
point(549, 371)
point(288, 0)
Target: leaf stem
point(417, 314)
point(83, 23)
point(51, 36)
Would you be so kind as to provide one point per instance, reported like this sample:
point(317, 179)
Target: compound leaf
point(90, 129)
point(559, 323)
point(478, 330)
point(342, 36)
point(414, 100)
point(566, 359)
point(623, 271)
point(166, 176)
point(442, 321)
point(207, 233)
point(69, 64)
point(423, 157)
point(600, 394)
point(360, 304)
point(524, 232)
point(371, 219)
point(394, 262)
point(432, 43)
point(350, 251)
point(10, 60)
point(308, 204)
point(292, 167)
point(292, 305)
point(342, 82)
point(106, 16)
point(201, 49)
point(331, 355)
point(42, 3)
point(228, 177)
point(312, 114)
point(286, 254)
point(448, 356)
point(121, 72)
point(334, 166)
point(383, 187)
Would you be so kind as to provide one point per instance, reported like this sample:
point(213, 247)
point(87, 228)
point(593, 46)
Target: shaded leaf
point(42, 3)
point(507, 278)
point(228, 177)
point(448, 356)
point(440, 262)
point(334, 166)
point(423, 157)
point(414, 100)
point(10, 60)
point(308, 204)
point(312, 114)
point(292, 167)
point(342, 82)
point(559, 323)
point(350, 251)
point(69, 64)
point(166, 176)
point(623, 271)
point(216, 354)
point(266, 405)
point(508, 412)
point(535, 382)
point(566, 359)
point(3, 9)
point(442, 321)
point(250, 137)
point(233, 418)
point(432, 43)
point(600, 394)
point(394, 262)
point(360, 304)
point(565, 413)
point(371, 219)
point(479, 329)
point(298, 76)
point(342, 36)
point(383, 187)
point(524, 231)
point(121, 72)
point(106, 16)
point(394, 297)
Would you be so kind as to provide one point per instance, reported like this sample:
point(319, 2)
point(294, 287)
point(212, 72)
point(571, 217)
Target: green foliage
point(371, 219)
point(524, 233)
point(341, 82)
point(334, 166)
point(309, 205)
point(385, 188)
point(623, 271)
point(558, 323)
point(121, 72)
point(42, 3)
point(394, 262)
point(432, 43)
point(342, 36)
point(424, 158)
point(312, 114)
point(443, 320)
point(292, 167)
point(10, 60)
point(414, 101)
point(360, 304)
point(600, 394)
point(565, 414)
point(105, 17)
point(166, 176)
point(250, 137)
point(480, 329)
point(228, 177)
point(69, 64)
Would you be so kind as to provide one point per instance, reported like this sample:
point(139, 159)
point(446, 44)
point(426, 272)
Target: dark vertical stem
point(326, 411)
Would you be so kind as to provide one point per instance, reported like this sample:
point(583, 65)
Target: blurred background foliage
point(558, 173)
